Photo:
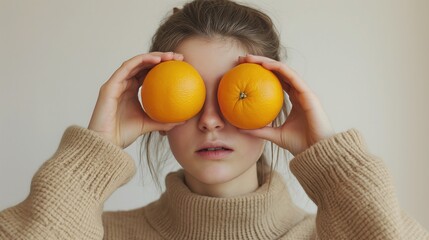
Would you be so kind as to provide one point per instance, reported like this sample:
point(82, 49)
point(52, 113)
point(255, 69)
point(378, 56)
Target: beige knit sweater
point(352, 189)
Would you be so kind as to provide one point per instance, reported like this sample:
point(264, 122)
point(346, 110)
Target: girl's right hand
point(118, 115)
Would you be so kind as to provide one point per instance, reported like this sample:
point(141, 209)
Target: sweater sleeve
point(353, 191)
point(68, 191)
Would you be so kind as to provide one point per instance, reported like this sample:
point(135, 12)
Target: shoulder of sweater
point(70, 188)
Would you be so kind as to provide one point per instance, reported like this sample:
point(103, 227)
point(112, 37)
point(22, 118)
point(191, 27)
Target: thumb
point(268, 133)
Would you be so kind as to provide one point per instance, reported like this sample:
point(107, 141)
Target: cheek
point(177, 141)
point(252, 146)
point(175, 147)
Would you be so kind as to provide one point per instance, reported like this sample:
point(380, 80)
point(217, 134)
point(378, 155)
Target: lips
point(214, 148)
point(214, 151)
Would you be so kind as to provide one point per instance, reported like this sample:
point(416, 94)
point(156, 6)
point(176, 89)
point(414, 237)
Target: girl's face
point(217, 158)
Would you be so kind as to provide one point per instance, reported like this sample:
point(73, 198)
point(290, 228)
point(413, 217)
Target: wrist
point(103, 134)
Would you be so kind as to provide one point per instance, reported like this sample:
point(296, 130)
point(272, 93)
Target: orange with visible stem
point(250, 96)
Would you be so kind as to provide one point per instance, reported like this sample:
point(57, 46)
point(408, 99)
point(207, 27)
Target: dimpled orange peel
point(172, 91)
point(250, 96)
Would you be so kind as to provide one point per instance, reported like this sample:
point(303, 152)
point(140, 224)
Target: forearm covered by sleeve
point(353, 191)
point(68, 191)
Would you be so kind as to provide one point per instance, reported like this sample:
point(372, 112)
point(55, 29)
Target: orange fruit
point(173, 91)
point(250, 96)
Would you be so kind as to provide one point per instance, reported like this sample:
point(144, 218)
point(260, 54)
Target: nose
point(210, 118)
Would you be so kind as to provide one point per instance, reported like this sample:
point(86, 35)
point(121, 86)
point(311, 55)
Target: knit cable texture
point(352, 189)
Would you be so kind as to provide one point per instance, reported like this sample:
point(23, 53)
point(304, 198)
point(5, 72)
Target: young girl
point(229, 193)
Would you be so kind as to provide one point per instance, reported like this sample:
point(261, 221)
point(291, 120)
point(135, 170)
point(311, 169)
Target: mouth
point(214, 151)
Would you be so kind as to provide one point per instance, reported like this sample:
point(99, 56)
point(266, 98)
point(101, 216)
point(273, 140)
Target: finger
point(287, 75)
point(259, 60)
point(130, 67)
point(134, 65)
point(164, 57)
point(284, 72)
point(254, 59)
point(135, 69)
point(178, 57)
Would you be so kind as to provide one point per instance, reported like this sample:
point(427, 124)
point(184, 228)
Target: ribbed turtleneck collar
point(267, 213)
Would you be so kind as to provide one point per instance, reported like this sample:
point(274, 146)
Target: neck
point(245, 183)
point(267, 213)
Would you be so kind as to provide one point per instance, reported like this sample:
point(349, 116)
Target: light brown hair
point(251, 28)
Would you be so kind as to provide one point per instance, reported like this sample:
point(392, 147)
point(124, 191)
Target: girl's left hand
point(307, 122)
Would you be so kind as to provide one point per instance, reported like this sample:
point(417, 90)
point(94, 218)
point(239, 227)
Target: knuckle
point(104, 88)
point(124, 65)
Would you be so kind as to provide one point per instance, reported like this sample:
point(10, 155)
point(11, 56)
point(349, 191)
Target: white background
point(366, 59)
